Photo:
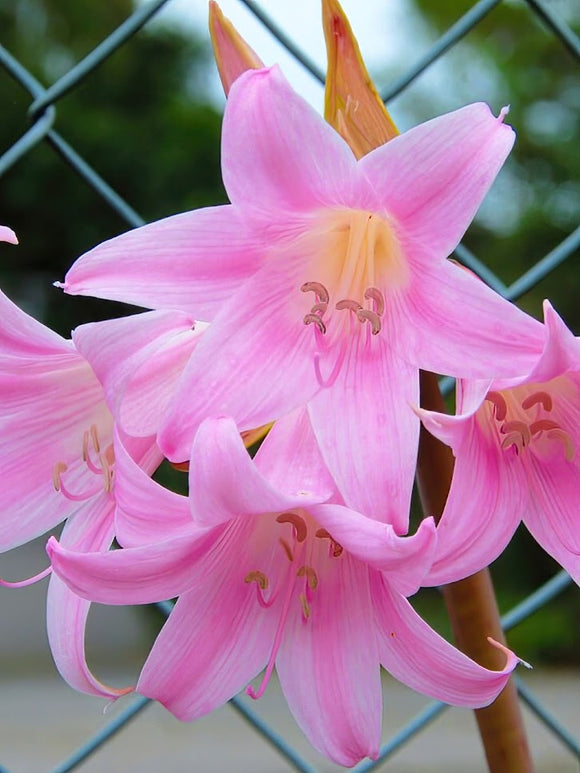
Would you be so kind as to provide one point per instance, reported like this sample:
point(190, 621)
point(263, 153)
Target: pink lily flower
point(326, 283)
point(272, 570)
point(57, 453)
point(516, 446)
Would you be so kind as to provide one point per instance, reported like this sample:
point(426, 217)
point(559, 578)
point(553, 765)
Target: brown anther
point(299, 524)
point(310, 574)
point(563, 437)
point(318, 288)
point(364, 315)
point(305, 606)
point(57, 471)
point(319, 308)
point(543, 398)
point(257, 576)
point(314, 319)
point(107, 473)
point(287, 549)
point(348, 303)
point(513, 439)
point(85, 453)
point(499, 404)
point(374, 294)
point(543, 425)
point(517, 426)
point(336, 548)
point(95, 438)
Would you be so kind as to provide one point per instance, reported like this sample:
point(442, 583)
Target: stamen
point(57, 471)
point(563, 437)
point(538, 397)
point(374, 294)
point(365, 315)
point(255, 694)
point(318, 288)
point(319, 308)
point(314, 319)
point(257, 577)
point(95, 438)
point(335, 548)
point(543, 424)
point(348, 303)
point(305, 607)
point(310, 574)
point(107, 470)
point(78, 497)
point(328, 382)
point(499, 404)
point(287, 548)
point(29, 581)
point(517, 426)
point(301, 531)
point(513, 439)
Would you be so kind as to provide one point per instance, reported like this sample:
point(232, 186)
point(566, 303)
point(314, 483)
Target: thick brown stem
point(472, 607)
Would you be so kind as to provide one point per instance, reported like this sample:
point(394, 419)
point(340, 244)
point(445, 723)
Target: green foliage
point(136, 119)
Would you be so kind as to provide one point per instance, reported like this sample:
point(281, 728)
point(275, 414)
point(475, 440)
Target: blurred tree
point(137, 119)
point(511, 58)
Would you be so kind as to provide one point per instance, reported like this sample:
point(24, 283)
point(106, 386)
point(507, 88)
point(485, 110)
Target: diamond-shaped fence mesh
point(43, 128)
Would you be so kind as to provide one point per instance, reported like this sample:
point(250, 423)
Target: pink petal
point(328, 667)
point(428, 324)
point(258, 340)
point(561, 351)
point(277, 152)
point(7, 235)
point(217, 637)
point(137, 575)
point(413, 653)
point(290, 459)
point(146, 512)
point(553, 514)
point(433, 177)
point(48, 402)
point(66, 615)
point(367, 431)
point(224, 482)
point(138, 359)
point(23, 336)
point(193, 261)
point(482, 510)
point(406, 560)
point(152, 387)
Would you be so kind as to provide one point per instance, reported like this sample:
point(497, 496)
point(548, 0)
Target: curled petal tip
point(503, 112)
point(512, 658)
point(7, 235)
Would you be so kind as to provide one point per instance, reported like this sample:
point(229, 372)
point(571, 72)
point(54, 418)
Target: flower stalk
point(472, 606)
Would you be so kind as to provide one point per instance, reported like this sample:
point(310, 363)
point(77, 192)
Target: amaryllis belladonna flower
point(326, 283)
point(516, 445)
point(272, 570)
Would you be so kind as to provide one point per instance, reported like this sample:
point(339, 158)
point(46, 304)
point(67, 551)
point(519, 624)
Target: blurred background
point(148, 120)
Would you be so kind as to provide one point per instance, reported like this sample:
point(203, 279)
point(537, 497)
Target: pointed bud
point(351, 103)
point(232, 54)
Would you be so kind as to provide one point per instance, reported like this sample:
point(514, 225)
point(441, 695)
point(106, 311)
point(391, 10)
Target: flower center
point(98, 460)
point(356, 262)
point(298, 548)
point(524, 418)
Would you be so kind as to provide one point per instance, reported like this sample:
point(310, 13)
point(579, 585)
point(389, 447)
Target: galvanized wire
point(42, 113)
